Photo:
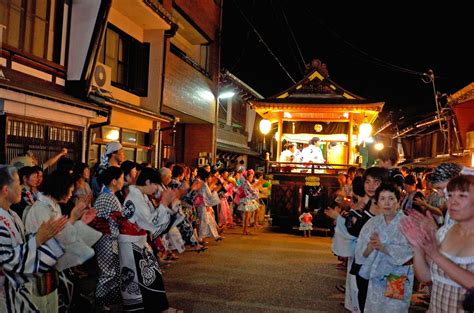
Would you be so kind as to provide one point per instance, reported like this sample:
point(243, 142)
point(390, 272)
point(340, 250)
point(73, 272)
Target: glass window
point(27, 25)
point(128, 58)
point(142, 156)
point(129, 137)
point(110, 133)
point(93, 155)
point(141, 139)
point(129, 153)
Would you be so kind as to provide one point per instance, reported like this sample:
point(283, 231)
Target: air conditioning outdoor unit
point(101, 77)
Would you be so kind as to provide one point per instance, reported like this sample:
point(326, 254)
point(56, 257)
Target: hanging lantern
point(365, 129)
point(265, 126)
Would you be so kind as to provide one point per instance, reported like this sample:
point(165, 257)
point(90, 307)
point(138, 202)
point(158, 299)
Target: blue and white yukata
point(204, 201)
point(20, 258)
point(378, 265)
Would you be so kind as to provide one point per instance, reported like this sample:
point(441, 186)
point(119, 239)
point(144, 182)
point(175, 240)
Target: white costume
point(313, 154)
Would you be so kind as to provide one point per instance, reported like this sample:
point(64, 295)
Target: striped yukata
point(20, 257)
point(447, 295)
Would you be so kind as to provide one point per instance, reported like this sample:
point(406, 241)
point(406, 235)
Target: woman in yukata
point(205, 199)
point(109, 211)
point(386, 256)
point(142, 284)
point(248, 197)
point(445, 257)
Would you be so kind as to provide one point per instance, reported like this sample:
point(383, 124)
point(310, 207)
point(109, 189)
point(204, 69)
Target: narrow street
point(264, 272)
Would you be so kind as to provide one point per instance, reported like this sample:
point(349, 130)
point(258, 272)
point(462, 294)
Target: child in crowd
point(306, 223)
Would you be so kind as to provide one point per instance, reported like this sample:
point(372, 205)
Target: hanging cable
point(292, 34)
point(290, 43)
point(263, 42)
point(243, 50)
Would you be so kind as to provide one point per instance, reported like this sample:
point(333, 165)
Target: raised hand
point(411, 230)
point(79, 209)
point(375, 242)
point(429, 244)
point(49, 229)
point(197, 184)
point(167, 196)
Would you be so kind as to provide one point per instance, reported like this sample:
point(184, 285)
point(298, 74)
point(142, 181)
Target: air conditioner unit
point(101, 77)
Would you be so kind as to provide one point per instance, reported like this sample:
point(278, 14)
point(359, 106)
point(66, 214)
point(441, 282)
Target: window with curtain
point(27, 25)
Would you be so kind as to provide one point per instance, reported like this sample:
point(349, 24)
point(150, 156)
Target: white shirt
point(313, 154)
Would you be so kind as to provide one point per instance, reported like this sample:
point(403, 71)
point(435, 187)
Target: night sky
point(375, 55)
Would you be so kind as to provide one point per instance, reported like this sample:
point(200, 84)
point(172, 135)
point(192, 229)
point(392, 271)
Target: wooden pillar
point(280, 135)
point(350, 153)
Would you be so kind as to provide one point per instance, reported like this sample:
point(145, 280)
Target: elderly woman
point(445, 257)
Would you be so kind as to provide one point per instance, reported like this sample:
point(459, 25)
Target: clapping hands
point(375, 242)
point(420, 231)
point(50, 228)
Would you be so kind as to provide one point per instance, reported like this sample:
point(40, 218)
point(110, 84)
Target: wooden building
point(314, 107)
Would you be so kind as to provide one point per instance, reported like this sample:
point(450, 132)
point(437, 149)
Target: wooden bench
point(325, 231)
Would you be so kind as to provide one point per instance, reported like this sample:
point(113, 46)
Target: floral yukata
point(142, 285)
point(20, 257)
point(381, 269)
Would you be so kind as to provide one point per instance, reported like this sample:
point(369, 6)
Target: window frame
point(129, 49)
point(22, 38)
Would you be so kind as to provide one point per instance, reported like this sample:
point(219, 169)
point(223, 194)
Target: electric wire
point(263, 42)
point(290, 42)
point(290, 30)
point(244, 45)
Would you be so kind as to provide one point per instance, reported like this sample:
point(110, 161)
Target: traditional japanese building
point(36, 112)
point(318, 107)
point(314, 107)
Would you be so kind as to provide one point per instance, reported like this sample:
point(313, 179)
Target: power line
point(263, 42)
point(292, 35)
point(290, 43)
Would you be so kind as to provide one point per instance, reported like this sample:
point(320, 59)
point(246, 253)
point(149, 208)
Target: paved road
point(264, 272)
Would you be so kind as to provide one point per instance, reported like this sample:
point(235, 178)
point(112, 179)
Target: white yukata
point(142, 285)
point(77, 239)
point(343, 245)
point(378, 265)
point(204, 202)
point(20, 258)
point(173, 237)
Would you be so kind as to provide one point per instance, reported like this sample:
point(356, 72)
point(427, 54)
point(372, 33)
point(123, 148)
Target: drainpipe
point(97, 125)
point(175, 120)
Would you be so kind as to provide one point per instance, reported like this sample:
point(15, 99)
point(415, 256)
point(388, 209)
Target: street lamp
point(226, 95)
point(265, 127)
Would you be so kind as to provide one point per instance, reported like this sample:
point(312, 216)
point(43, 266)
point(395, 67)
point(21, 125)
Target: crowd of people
point(119, 224)
point(398, 233)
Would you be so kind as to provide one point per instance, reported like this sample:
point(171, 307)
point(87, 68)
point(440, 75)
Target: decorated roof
point(316, 96)
point(317, 88)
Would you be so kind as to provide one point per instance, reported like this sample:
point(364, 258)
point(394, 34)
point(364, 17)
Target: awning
point(464, 160)
point(235, 149)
